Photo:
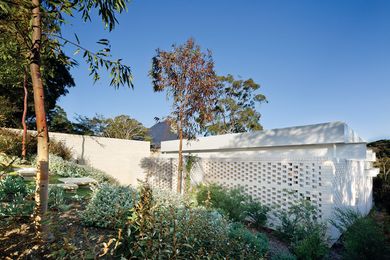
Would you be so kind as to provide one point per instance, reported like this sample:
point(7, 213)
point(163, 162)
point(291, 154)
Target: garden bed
point(18, 238)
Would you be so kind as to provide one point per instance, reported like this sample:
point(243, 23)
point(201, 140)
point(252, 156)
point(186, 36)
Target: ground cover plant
point(63, 168)
point(16, 197)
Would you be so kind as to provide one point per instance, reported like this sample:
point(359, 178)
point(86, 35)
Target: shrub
point(15, 197)
point(167, 198)
point(57, 198)
point(11, 144)
point(312, 247)
point(64, 168)
point(109, 206)
point(11, 185)
point(256, 214)
point(283, 256)
point(381, 192)
point(231, 202)
point(300, 228)
point(298, 221)
point(155, 232)
point(59, 148)
point(363, 238)
point(246, 245)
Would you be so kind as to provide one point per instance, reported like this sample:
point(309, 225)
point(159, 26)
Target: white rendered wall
point(122, 159)
point(118, 157)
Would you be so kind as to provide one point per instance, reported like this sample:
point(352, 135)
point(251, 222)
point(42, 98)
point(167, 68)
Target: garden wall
point(327, 164)
point(118, 157)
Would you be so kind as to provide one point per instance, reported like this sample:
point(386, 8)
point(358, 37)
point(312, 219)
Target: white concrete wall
point(118, 157)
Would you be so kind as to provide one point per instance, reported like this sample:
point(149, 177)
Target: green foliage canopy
point(235, 109)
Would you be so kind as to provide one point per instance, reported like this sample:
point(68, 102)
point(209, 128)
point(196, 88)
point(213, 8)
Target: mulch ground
point(68, 238)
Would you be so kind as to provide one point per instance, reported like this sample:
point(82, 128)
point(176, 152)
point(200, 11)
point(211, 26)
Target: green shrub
point(11, 144)
point(109, 206)
point(283, 256)
point(167, 198)
point(64, 168)
point(16, 197)
point(231, 202)
point(312, 247)
point(363, 238)
point(298, 221)
point(11, 185)
point(299, 227)
point(256, 214)
point(57, 199)
point(246, 244)
point(166, 232)
point(59, 148)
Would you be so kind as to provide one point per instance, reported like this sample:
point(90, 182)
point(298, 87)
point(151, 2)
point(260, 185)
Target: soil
point(68, 238)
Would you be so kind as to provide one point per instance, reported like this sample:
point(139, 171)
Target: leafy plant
point(109, 206)
point(298, 221)
point(58, 148)
point(283, 256)
point(64, 168)
point(15, 197)
point(57, 199)
point(11, 144)
point(363, 238)
point(256, 214)
point(246, 244)
point(231, 202)
point(11, 185)
point(299, 226)
point(156, 231)
point(312, 247)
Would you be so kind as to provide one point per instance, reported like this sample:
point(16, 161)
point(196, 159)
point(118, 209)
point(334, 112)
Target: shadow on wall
point(81, 158)
point(159, 172)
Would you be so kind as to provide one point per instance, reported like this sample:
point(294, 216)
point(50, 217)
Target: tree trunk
point(42, 178)
point(180, 163)
point(24, 136)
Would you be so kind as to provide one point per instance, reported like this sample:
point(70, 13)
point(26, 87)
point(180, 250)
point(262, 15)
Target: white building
point(327, 164)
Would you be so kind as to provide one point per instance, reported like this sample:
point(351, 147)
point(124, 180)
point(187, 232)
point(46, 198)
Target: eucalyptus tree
point(37, 25)
point(188, 77)
point(125, 127)
point(235, 108)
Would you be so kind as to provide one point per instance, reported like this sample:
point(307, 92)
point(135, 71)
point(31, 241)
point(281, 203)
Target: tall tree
point(41, 34)
point(58, 121)
point(121, 127)
point(187, 75)
point(56, 78)
point(90, 126)
point(235, 109)
point(125, 127)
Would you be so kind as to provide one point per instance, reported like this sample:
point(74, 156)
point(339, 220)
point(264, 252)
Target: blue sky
point(317, 61)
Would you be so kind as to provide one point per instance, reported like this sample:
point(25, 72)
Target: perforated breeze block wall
point(279, 183)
